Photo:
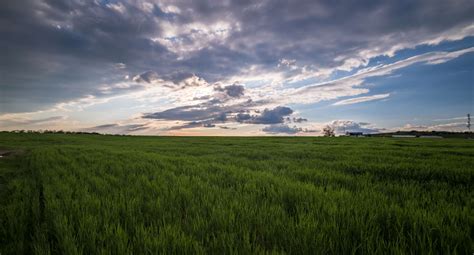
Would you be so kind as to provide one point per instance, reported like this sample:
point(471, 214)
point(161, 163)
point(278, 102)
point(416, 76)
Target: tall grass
point(84, 194)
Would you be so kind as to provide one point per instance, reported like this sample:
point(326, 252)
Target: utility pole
point(469, 122)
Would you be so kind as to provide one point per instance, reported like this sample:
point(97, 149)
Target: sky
point(163, 67)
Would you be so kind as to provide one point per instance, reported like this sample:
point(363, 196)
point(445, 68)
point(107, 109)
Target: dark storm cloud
point(221, 117)
point(177, 76)
point(234, 90)
point(53, 51)
point(175, 80)
point(210, 110)
point(272, 30)
point(272, 116)
point(208, 114)
point(147, 77)
point(241, 117)
point(189, 113)
point(299, 120)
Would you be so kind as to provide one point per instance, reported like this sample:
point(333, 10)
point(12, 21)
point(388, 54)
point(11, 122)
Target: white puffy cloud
point(342, 126)
point(281, 128)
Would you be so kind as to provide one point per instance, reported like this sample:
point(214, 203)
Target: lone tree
point(328, 131)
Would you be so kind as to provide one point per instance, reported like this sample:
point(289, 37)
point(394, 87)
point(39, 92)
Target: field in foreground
point(90, 194)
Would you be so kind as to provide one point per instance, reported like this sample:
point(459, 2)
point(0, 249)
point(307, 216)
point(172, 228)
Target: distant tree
point(328, 131)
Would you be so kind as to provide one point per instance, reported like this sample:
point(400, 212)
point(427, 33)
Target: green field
point(92, 194)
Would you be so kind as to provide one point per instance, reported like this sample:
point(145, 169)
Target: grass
point(90, 194)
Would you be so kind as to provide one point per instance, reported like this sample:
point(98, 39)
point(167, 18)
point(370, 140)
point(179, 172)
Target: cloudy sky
point(236, 67)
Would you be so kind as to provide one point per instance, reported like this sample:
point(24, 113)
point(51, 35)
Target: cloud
point(59, 51)
point(189, 113)
point(193, 81)
point(287, 63)
point(115, 128)
point(350, 85)
point(453, 118)
point(234, 90)
point(192, 124)
point(241, 117)
point(222, 117)
point(270, 116)
point(210, 113)
point(342, 126)
point(89, 41)
point(120, 66)
point(299, 120)
point(286, 129)
point(147, 77)
point(26, 122)
point(210, 110)
point(281, 128)
point(453, 127)
point(66, 56)
point(361, 99)
point(273, 116)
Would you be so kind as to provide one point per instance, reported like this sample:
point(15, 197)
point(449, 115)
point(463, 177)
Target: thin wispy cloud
point(350, 85)
point(451, 119)
point(361, 99)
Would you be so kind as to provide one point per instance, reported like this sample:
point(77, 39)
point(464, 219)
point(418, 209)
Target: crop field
point(93, 194)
